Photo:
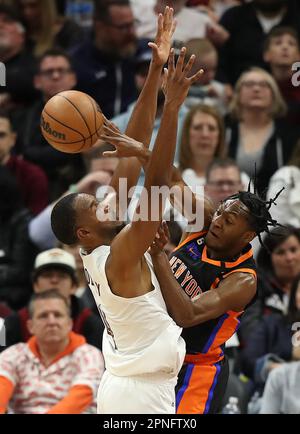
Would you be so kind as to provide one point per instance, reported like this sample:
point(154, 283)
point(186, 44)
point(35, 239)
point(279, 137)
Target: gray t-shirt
point(282, 390)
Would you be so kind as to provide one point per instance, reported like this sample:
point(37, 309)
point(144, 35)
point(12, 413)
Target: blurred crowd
point(245, 111)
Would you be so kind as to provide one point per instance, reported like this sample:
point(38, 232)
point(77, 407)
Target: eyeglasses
point(263, 84)
point(47, 73)
point(219, 184)
point(123, 27)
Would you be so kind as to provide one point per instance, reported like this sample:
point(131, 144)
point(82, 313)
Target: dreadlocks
point(259, 216)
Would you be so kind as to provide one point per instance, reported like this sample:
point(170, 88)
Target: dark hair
point(293, 313)
point(63, 220)
point(11, 199)
point(279, 31)
point(101, 8)
point(175, 232)
point(12, 12)
point(46, 295)
point(273, 240)
point(54, 52)
point(222, 163)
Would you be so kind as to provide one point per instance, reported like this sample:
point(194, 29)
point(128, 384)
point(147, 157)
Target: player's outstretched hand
point(165, 29)
point(176, 82)
point(125, 145)
point(161, 239)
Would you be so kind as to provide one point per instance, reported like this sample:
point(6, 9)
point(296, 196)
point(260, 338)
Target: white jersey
point(140, 337)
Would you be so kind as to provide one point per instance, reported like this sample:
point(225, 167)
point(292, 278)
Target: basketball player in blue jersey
point(142, 346)
point(208, 283)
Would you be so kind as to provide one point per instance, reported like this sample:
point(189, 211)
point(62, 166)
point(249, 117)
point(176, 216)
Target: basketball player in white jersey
point(142, 346)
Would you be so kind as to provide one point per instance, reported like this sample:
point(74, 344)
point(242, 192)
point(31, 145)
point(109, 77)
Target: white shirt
point(287, 210)
point(140, 337)
point(190, 23)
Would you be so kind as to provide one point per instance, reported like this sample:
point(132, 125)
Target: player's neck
point(229, 256)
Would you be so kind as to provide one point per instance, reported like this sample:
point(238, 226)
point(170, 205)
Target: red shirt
point(33, 183)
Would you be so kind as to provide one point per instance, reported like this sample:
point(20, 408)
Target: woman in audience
point(46, 29)
point(271, 342)
point(287, 210)
point(278, 266)
point(202, 140)
point(255, 135)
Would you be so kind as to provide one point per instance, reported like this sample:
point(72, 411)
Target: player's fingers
point(160, 25)
point(189, 65)
point(153, 46)
point(180, 61)
point(171, 62)
point(167, 18)
point(196, 76)
point(109, 154)
point(166, 229)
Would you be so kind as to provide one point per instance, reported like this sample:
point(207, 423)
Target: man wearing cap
point(56, 371)
point(19, 63)
point(56, 269)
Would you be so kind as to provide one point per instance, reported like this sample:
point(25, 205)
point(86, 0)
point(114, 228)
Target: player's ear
point(249, 236)
point(82, 234)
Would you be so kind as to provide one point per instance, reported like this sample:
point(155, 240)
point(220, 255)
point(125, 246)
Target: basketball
point(71, 121)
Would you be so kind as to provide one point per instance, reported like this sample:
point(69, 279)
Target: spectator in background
point(56, 269)
point(191, 23)
point(202, 140)
point(121, 121)
point(16, 250)
point(207, 90)
point(281, 395)
point(55, 74)
point(281, 51)
point(46, 29)
point(19, 63)
point(56, 371)
point(287, 210)
point(271, 343)
point(248, 25)
point(31, 179)
point(105, 63)
point(223, 179)
point(99, 173)
point(254, 133)
point(278, 267)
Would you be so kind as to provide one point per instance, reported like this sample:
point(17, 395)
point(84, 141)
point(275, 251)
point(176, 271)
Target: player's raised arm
point(233, 293)
point(141, 123)
point(130, 245)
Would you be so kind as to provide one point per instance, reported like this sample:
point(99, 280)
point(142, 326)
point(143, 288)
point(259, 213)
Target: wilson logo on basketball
point(46, 127)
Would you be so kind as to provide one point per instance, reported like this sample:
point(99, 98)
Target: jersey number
point(107, 326)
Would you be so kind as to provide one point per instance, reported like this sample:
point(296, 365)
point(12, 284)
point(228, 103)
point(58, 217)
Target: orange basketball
point(71, 121)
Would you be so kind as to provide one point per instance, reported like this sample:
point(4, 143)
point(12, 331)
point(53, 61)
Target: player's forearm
point(140, 128)
point(178, 303)
point(159, 169)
